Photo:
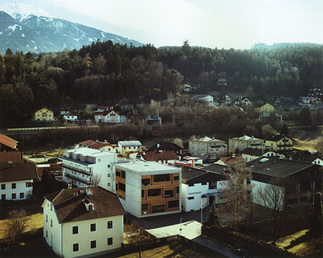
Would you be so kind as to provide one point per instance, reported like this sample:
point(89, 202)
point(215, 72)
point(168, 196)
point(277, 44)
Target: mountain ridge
point(38, 33)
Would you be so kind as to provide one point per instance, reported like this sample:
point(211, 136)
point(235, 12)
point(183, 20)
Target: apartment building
point(148, 188)
point(89, 167)
point(207, 148)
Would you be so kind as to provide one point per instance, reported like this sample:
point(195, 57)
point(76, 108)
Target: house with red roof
point(83, 222)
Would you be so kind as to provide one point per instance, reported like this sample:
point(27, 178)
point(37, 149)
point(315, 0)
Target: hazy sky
point(210, 23)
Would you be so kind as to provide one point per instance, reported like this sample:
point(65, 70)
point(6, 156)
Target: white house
point(109, 117)
point(148, 188)
point(85, 167)
point(127, 147)
point(201, 186)
point(204, 98)
point(17, 180)
point(294, 182)
point(244, 142)
point(83, 222)
point(207, 148)
point(70, 117)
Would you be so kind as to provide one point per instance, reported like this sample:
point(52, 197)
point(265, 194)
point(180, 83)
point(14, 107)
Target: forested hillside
point(106, 73)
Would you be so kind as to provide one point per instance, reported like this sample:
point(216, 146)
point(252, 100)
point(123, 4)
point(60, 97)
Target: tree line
point(107, 73)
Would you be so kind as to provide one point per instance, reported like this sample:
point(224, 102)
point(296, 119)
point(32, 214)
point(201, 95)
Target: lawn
point(35, 222)
point(301, 244)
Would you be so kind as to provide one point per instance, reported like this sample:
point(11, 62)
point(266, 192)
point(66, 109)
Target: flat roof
point(144, 167)
point(90, 152)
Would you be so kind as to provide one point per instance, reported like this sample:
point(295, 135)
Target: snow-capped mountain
point(21, 11)
point(28, 29)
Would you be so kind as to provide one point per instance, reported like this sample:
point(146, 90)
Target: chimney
point(89, 191)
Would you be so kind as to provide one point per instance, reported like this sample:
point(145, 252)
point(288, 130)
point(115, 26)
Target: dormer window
point(89, 205)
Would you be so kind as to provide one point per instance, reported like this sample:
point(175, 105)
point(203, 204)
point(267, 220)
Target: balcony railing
point(83, 171)
point(83, 180)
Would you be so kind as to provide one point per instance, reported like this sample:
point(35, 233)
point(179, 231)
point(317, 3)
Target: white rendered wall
point(20, 188)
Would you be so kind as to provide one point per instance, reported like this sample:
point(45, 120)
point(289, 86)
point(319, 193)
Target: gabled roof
point(18, 172)
point(230, 160)
point(99, 145)
point(275, 167)
point(276, 137)
point(307, 157)
point(200, 175)
point(129, 143)
point(156, 156)
point(69, 204)
point(87, 142)
point(7, 141)
point(246, 138)
point(165, 146)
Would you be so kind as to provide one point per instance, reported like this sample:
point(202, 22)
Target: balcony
point(87, 172)
point(82, 180)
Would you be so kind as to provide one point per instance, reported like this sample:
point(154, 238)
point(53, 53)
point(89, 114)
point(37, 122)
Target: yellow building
point(278, 142)
point(44, 114)
point(267, 108)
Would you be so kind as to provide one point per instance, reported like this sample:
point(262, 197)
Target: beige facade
point(44, 114)
point(241, 143)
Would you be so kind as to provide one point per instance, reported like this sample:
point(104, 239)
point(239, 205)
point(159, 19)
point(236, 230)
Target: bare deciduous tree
point(237, 189)
point(96, 179)
point(17, 223)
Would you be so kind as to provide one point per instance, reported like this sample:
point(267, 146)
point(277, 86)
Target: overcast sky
point(209, 23)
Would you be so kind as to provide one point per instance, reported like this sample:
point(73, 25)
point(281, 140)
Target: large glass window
point(145, 181)
point(169, 193)
point(173, 204)
point(161, 178)
point(158, 208)
point(122, 187)
point(154, 192)
point(144, 207)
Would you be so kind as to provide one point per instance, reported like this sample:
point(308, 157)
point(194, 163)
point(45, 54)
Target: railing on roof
point(88, 172)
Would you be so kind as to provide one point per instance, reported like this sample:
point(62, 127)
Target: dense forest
point(106, 73)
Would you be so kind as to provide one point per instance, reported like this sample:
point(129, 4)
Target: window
point(144, 207)
point(29, 184)
point(51, 207)
point(93, 244)
point(169, 193)
point(90, 207)
point(75, 247)
point(145, 181)
point(176, 178)
point(51, 223)
point(158, 208)
point(93, 227)
point(3, 197)
point(110, 224)
point(190, 198)
point(142, 193)
point(13, 196)
point(154, 192)
point(108, 167)
point(46, 218)
point(46, 233)
point(21, 195)
point(110, 241)
point(3, 186)
point(177, 189)
point(13, 185)
point(173, 204)
point(108, 184)
point(162, 178)
point(118, 173)
point(123, 174)
point(109, 175)
point(75, 230)
point(122, 187)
